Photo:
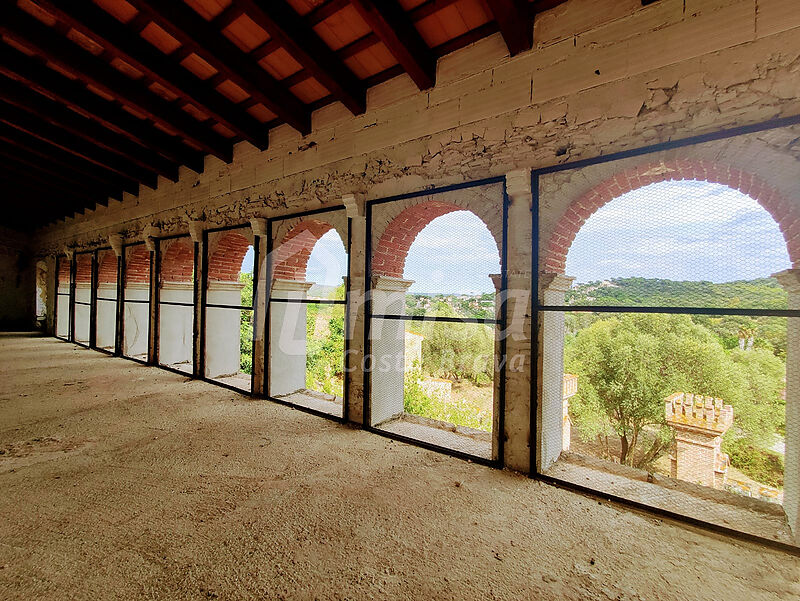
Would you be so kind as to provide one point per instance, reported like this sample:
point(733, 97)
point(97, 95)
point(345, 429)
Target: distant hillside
point(764, 293)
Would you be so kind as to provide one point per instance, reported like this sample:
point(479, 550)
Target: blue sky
point(686, 230)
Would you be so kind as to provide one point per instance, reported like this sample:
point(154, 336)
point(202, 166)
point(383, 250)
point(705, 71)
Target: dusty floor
point(120, 481)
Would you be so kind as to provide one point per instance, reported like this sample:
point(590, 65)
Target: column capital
point(149, 234)
point(69, 252)
point(115, 240)
point(789, 279)
point(291, 285)
point(196, 229)
point(555, 282)
point(259, 226)
point(390, 284)
point(518, 186)
point(354, 204)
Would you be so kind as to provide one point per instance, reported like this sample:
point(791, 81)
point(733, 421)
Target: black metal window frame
point(497, 437)
point(155, 311)
point(75, 302)
point(96, 298)
point(539, 308)
point(205, 305)
point(122, 284)
point(68, 294)
point(268, 300)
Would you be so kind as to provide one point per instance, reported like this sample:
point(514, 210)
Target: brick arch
point(83, 269)
point(177, 262)
point(63, 270)
point(107, 267)
point(291, 255)
point(137, 266)
point(782, 210)
point(390, 253)
point(225, 262)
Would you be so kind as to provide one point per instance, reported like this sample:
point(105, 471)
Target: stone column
point(223, 329)
point(550, 413)
point(790, 280)
point(388, 348)
point(287, 348)
point(259, 227)
point(354, 360)
point(517, 433)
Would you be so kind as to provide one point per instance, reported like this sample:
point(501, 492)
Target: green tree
point(628, 364)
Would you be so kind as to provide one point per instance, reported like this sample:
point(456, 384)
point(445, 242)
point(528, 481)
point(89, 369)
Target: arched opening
point(434, 336)
point(668, 363)
point(41, 295)
point(229, 308)
point(63, 294)
point(106, 335)
point(136, 302)
point(307, 313)
point(83, 298)
point(176, 304)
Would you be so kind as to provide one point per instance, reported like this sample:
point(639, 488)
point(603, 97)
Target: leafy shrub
point(759, 464)
point(459, 412)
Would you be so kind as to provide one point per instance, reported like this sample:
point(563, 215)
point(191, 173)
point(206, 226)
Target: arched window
point(63, 295)
point(41, 294)
point(176, 303)
point(664, 339)
point(229, 308)
point(136, 301)
point(106, 301)
point(83, 297)
point(435, 346)
point(307, 307)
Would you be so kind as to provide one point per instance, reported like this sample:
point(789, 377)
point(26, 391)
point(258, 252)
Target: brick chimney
point(699, 423)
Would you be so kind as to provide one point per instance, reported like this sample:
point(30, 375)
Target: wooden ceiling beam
point(516, 23)
point(44, 132)
point(65, 140)
point(303, 44)
point(37, 76)
point(17, 25)
point(396, 30)
point(46, 171)
point(22, 142)
point(17, 94)
point(47, 193)
point(202, 38)
point(121, 42)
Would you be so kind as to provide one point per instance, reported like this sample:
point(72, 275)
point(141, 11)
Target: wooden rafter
point(37, 76)
point(516, 23)
point(120, 42)
point(27, 31)
point(395, 29)
point(200, 37)
point(290, 31)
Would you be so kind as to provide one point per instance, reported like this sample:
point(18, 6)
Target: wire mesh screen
point(229, 308)
point(434, 327)
point(106, 295)
point(306, 318)
point(62, 308)
point(176, 303)
point(83, 297)
point(666, 334)
point(136, 302)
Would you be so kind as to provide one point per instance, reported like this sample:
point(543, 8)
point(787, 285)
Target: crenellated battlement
point(687, 410)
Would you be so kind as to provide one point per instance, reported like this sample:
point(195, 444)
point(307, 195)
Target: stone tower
point(699, 423)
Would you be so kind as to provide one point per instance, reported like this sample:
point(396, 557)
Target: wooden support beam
point(200, 37)
point(395, 29)
point(17, 94)
point(35, 75)
point(289, 30)
point(17, 25)
point(19, 141)
point(47, 171)
point(120, 42)
point(516, 23)
point(60, 138)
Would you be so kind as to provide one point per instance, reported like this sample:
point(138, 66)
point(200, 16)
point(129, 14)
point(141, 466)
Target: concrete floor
point(126, 482)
